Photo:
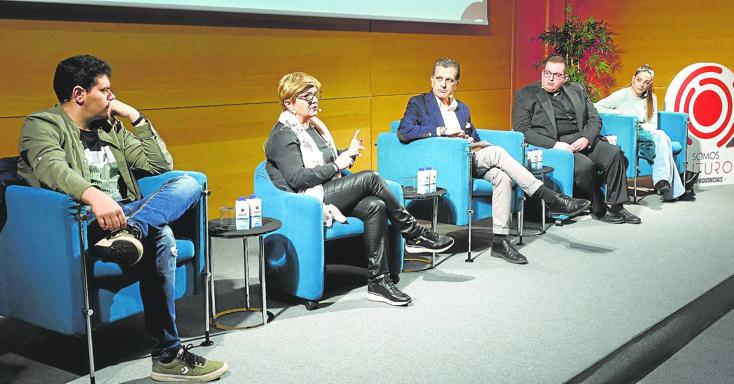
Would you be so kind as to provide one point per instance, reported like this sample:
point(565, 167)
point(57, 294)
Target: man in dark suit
point(438, 113)
point(555, 114)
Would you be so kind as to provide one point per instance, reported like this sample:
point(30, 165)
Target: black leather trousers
point(366, 196)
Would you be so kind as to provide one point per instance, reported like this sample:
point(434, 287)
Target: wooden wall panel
point(9, 134)
point(402, 62)
point(211, 90)
point(165, 66)
point(667, 34)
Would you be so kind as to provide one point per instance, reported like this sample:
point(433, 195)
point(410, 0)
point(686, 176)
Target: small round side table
point(410, 193)
point(225, 230)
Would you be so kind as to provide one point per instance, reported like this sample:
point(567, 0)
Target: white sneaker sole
point(109, 249)
point(196, 379)
point(373, 297)
point(414, 249)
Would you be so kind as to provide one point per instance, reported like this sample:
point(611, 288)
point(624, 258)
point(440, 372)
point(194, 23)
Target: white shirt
point(450, 120)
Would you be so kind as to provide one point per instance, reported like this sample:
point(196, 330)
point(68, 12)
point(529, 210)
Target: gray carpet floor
point(709, 358)
point(588, 289)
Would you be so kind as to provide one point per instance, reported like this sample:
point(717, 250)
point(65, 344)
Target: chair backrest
point(8, 176)
point(394, 125)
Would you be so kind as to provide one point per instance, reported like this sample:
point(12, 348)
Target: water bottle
point(433, 174)
point(256, 211)
point(241, 214)
point(538, 158)
point(423, 181)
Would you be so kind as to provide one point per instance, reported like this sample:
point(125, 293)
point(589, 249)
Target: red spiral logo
point(705, 94)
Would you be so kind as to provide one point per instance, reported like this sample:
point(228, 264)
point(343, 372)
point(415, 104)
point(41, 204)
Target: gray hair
point(447, 63)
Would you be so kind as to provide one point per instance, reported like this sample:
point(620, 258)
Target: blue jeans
point(151, 215)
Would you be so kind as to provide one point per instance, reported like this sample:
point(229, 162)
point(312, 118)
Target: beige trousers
point(495, 165)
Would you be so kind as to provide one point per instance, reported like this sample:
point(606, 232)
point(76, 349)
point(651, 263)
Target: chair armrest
point(625, 128)
point(42, 259)
point(511, 141)
point(193, 224)
point(675, 125)
point(396, 189)
point(397, 160)
point(562, 163)
point(450, 157)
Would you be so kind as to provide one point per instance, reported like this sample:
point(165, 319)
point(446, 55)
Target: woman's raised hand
point(355, 146)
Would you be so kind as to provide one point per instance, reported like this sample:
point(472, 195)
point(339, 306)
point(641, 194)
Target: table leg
point(247, 273)
point(542, 210)
point(262, 280)
point(208, 293)
point(434, 224)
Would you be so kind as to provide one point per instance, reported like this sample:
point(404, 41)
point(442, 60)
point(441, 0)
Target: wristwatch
point(441, 131)
point(139, 119)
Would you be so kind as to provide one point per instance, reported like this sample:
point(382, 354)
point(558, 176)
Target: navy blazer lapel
point(433, 109)
point(577, 106)
point(545, 102)
point(462, 113)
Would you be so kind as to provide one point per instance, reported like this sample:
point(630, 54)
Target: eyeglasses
point(551, 75)
point(308, 97)
point(448, 80)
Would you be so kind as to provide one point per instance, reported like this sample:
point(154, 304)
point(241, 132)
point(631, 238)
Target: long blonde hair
point(650, 93)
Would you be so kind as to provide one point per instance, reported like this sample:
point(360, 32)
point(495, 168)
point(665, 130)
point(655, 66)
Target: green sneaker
point(122, 247)
point(187, 366)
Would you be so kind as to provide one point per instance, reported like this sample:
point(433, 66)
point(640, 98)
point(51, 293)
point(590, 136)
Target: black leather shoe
point(687, 196)
point(505, 250)
point(566, 205)
point(663, 187)
point(608, 217)
point(628, 217)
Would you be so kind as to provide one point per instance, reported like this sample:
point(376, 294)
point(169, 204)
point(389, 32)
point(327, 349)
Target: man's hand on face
point(108, 213)
point(580, 144)
point(118, 108)
point(563, 146)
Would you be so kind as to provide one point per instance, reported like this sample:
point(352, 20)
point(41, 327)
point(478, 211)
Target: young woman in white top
point(639, 100)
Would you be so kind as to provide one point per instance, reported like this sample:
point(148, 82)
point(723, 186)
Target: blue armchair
point(467, 199)
point(46, 278)
point(674, 124)
point(295, 260)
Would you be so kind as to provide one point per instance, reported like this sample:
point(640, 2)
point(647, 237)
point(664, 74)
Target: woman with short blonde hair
point(302, 157)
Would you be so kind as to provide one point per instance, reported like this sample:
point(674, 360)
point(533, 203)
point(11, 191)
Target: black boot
point(689, 180)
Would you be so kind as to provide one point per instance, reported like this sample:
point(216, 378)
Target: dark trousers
point(608, 160)
point(365, 195)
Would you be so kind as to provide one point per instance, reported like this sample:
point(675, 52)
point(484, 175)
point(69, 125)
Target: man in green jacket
point(81, 148)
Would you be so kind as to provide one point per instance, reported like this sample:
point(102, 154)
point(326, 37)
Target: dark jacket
point(285, 162)
point(533, 115)
point(422, 117)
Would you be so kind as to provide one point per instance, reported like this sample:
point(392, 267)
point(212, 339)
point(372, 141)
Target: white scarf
point(313, 157)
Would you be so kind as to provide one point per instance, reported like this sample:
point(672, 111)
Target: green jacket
point(52, 155)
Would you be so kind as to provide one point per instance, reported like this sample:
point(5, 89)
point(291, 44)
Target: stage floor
point(589, 288)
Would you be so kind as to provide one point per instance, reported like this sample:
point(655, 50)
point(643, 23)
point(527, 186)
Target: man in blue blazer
point(438, 113)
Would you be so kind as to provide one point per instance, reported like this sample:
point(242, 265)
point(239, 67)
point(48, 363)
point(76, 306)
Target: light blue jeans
point(663, 168)
point(151, 215)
